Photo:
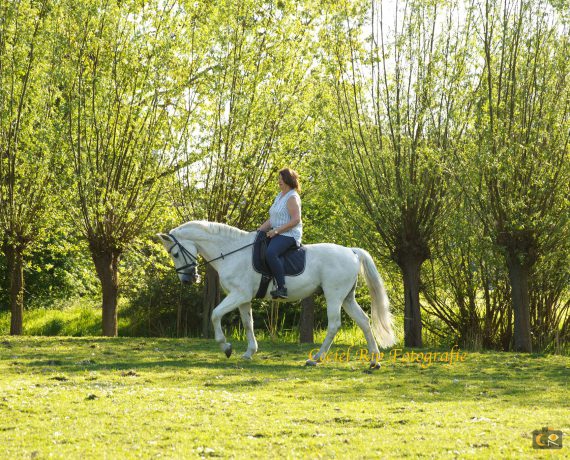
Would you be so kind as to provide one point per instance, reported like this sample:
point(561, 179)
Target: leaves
point(441, 132)
point(250, 111)
point(28, 133)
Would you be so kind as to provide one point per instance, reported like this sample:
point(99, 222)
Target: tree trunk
point(487, 331)
point(307, 322)
point(212, 297)
point(412, 314)
point(518, 274)
point(179, 331)
point(15, 261)
point(6, 273)
point(507, 329)
point(107, 266)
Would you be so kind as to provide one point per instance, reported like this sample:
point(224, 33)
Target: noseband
point(190, 260)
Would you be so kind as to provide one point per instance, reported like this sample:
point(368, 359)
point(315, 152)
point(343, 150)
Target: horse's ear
point(164, 238)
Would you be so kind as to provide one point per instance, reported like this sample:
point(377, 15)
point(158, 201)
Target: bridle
point(191, 261)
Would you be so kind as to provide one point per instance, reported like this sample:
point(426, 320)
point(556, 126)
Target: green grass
point(147, 398)
point(76, 318)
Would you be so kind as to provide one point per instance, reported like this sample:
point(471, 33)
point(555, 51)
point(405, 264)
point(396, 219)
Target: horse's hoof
point(374, 366)
point(228, 350)
point(310, 362)
point(246, 357)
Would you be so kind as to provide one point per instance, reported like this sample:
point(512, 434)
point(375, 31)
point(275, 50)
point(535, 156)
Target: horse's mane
point(212, 228)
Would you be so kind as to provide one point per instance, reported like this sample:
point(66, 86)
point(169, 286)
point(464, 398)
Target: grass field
point(166, 398)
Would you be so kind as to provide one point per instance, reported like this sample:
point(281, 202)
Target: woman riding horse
point(284, 227)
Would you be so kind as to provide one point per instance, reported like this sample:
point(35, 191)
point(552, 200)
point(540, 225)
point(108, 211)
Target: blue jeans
point(277, 246)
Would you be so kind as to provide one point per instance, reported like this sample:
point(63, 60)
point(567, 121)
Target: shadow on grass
point(166, 365)
point(98, 354)
point(487, 376)
point(481, 376)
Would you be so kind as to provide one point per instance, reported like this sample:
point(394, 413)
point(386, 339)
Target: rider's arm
point(265, 226)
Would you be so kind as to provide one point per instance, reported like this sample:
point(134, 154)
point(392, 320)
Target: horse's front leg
point(231, 302)
point(247, 321)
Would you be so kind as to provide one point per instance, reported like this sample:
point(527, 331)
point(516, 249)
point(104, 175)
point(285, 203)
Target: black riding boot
point(279, 293)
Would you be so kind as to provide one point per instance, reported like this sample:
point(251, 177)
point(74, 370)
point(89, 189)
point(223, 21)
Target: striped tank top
point(279, 215)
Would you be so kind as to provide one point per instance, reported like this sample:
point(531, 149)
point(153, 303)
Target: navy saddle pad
point(293, 259)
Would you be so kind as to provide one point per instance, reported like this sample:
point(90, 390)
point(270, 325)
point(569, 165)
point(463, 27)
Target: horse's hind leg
point(247, 321)
point(353, 310)
point(333, 316)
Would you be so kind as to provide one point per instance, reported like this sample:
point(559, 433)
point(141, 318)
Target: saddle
point(293, 262)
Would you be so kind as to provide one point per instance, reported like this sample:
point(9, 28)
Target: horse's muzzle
point(186, 279)
point(189, 278)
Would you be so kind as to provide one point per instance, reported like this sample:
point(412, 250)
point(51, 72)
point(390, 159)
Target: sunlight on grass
point(74, 321)
point(133, 398)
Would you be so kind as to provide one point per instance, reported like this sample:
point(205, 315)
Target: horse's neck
point(210, 248)
point(212, 245)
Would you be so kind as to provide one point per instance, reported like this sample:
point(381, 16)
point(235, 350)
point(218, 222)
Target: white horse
point(328, 266)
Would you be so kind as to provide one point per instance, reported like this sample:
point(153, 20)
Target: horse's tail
point(380, 306)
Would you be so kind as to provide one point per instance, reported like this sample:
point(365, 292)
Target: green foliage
point(466, 286)
point(518, 171)
point(157, 305)
point(252, 118)
point(117, 103)
point(514, 162)
point(29, 129)
point(394, 121)
point(28, 126)
point(119, 119)
point(59, 268)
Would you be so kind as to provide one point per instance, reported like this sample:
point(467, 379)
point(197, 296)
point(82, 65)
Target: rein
point(194, 259)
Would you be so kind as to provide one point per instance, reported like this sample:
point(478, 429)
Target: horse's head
point(185, 257)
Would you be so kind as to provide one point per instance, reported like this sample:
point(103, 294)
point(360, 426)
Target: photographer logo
point(547, 438)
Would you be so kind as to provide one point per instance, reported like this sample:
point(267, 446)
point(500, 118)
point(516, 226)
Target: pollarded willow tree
point(519, 171)
point(28, 134)
point(252, 115)
point(128, 68)
point(401, 112)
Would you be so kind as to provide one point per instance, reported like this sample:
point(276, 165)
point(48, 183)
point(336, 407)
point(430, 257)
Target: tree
point(519, 170)
point(252, 116)
point(28, 135)
point(400, 110)
point(124, 67)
